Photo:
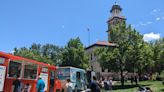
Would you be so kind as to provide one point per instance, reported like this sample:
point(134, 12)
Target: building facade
point(113, 20)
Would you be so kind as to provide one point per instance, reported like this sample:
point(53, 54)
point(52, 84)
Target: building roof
point(115, 6)
point(120, 17)
point(102, 44)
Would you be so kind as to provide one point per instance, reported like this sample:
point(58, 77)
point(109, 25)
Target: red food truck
point(28, 71)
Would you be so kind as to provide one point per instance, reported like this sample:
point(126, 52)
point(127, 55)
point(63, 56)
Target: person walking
point(69, 86)
point(40, 85)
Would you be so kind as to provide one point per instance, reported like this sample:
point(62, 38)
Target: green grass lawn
point(155, 85)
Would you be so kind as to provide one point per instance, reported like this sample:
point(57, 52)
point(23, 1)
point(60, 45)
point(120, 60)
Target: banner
point(44, 77)
point(2, 77)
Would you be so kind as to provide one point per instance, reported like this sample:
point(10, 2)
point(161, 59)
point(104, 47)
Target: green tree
point(52, 52)
point(128, 55)
point(158, 49)
point(24, 52)
point(47, 53)
point(74, 54)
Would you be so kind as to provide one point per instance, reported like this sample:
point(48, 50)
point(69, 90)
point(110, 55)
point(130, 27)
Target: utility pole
point(91, 67)
point(88, 36)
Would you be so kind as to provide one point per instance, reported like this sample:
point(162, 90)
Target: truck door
point(52, 79)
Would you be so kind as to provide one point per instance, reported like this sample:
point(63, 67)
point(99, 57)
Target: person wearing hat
point(40, 84)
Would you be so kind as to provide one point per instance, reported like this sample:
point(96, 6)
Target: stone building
point(114, 19)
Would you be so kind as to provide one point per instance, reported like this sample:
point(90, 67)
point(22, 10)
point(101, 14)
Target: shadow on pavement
point(116, 87)
point(162, 90)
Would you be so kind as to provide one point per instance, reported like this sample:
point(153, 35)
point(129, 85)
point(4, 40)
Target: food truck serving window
point(30, 71)
point(14, 69)
point(44, 70)
point(63, 73)
point(2, 60)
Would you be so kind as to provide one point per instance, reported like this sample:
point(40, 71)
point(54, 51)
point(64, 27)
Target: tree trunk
point(139, 75)
point(159, 72)
point(122, 78)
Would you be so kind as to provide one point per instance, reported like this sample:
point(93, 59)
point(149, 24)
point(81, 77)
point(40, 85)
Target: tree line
point(73, 54)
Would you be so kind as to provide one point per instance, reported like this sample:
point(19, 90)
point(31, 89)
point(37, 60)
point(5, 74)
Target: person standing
point(110, 83)
point(40, 85)
point(69, 86)
point(94, 85)
point(106, 84)
point(132, 79)
point(16, 85)
point(136, 79)
point(102, 84)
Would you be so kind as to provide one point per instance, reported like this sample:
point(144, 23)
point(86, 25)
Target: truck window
point(14, 69)
point(78, 75)
point(63, 73)
point(30, 71)
point(2, 60)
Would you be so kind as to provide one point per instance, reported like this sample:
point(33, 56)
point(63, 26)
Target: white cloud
point(157, 18)
point(149, 22)
point(133, 25)
point(12, 52)
point(144, 24)
point(156, 10)
point(151, 36)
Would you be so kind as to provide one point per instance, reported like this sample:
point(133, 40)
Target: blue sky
point(23, 22)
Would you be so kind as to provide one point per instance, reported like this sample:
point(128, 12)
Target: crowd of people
point(103, 85)
point(18, 86)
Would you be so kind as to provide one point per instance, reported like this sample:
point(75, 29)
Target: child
point(69, 86)
point(27, 88)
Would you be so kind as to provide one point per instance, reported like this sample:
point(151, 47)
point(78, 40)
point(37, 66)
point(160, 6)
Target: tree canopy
point(47, 53)
point(131, 55)
point(74, 54)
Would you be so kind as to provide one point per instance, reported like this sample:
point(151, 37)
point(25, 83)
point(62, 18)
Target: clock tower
point(115, 18)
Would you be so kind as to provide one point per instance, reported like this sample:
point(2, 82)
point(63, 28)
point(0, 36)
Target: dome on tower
point(116, 7)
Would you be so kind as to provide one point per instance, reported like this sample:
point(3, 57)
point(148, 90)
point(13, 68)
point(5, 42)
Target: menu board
point(2, 77)
point(2, 60)
point(44, 77)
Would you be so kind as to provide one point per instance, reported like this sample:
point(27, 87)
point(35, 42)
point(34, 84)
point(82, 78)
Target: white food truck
point(76, 75)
